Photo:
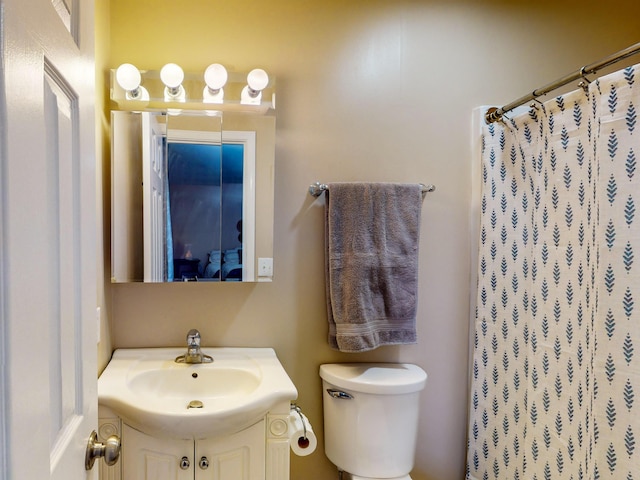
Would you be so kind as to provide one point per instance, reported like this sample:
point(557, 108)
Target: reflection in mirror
point(193, 212)
point(196, 220)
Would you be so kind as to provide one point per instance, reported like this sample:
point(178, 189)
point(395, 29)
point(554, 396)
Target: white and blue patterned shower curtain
point(555, 390)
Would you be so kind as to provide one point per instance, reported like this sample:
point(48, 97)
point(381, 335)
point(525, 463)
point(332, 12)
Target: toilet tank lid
point(377, 378)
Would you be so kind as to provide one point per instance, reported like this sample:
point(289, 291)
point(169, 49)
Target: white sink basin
point(156, 395)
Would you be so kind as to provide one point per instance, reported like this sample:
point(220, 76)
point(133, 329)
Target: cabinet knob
point(184, 463)
point(204, 463)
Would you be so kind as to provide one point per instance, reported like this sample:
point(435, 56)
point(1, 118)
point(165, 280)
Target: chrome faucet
point(194, 354)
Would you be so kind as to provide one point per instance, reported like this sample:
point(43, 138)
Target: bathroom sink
point(154, 394)
point(209, 382)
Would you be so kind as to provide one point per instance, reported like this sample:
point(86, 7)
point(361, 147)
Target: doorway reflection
point(204, 212)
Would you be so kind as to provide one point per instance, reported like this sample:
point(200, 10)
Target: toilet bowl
point(371, 418)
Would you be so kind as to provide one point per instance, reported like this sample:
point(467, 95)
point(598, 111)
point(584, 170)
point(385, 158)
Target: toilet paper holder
point(299, 412)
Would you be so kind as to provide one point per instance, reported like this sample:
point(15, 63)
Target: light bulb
point(215, 76)
point(128, 77)
point(172, 75)
point(257, 80)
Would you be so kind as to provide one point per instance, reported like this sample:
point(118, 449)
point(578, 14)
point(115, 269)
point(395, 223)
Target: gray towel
point(372, 232)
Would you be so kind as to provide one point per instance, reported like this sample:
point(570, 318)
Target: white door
point(153, 180)
point(48, 372)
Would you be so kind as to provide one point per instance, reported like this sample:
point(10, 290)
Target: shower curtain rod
point(318, 188)
point(495, 114)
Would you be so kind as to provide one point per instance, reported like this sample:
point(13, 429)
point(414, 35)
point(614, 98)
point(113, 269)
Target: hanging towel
point(372, 232)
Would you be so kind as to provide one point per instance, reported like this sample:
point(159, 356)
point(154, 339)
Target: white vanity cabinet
point(259, 452)
point(236, 457)
point(234, 413)
point(145, 457)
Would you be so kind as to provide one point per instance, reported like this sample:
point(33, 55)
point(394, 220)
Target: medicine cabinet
point(192, 187)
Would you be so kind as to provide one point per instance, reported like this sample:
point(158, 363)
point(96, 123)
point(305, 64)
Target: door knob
point(204, 463)
point(110, 450)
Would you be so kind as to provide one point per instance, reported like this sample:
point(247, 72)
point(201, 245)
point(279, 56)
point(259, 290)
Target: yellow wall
point(103, 169)
point(372, 90)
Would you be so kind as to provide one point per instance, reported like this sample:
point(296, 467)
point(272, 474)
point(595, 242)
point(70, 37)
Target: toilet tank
point(371, 416)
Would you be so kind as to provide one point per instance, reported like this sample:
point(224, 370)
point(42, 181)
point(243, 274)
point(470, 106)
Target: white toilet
point(371, 418)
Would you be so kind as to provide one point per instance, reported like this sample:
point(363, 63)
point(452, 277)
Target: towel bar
point(317, 188)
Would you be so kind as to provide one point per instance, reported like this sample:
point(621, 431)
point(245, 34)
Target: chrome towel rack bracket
point(316, 189)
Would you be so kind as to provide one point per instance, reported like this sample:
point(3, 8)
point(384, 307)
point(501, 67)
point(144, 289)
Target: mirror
point(192, 195)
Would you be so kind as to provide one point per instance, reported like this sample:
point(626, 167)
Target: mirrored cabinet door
point(192, 196)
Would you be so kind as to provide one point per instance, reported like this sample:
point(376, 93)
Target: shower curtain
point(555, 375)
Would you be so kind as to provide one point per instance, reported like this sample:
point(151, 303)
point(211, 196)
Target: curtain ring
point(584, 83)
point(536, 104)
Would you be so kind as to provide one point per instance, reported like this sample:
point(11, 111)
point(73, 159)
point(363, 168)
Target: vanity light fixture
point(129, 78)
point(172, 77)
point(172, 88)
point(257, 80)
point(215, 77)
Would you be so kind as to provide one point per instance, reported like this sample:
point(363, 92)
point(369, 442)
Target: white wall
point(368, 90)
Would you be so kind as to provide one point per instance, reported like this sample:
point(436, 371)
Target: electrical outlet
point(265, 267)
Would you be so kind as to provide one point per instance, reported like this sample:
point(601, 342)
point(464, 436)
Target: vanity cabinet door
point(150, 458)
point(240, 456)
